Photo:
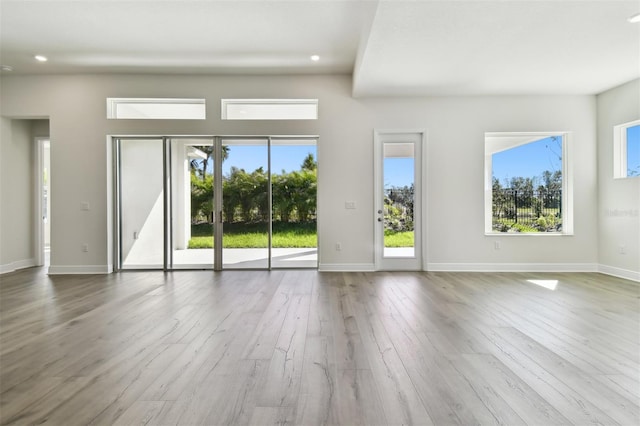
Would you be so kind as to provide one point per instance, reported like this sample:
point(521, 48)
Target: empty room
point(320, 212)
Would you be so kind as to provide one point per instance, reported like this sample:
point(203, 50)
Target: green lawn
point(254, 235)
point(398, 239)
point(285, 235)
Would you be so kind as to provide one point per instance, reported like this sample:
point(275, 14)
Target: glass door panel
point(398, 201)
point(141, 203)
point(294, 188)
point(398, 173)
point(245, 203)
point(192, 210)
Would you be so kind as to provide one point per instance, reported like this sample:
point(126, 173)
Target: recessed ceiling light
point(315, 58)
point(6, 68)
point(635, 18)
point(40, 58)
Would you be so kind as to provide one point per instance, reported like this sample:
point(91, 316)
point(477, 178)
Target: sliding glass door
point(245, 203)
point(294, 187)
point(192, 209)
point(216, 202)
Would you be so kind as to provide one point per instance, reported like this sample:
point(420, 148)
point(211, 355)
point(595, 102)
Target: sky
point(529, 160)
point(398, 172)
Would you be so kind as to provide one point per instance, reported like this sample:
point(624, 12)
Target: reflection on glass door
point(398, 224)
point(141, 203)
point(245, 203)
point(192, 209)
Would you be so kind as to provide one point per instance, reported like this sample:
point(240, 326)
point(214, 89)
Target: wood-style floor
point(302, 347)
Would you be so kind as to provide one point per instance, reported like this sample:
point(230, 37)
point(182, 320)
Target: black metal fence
point(527, 210)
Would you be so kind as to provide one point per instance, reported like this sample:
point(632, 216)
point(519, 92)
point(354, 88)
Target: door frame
point(417, 262)
point(115, 207)
point(39, 245)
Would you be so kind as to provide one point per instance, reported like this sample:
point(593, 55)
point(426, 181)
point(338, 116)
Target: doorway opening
point(215, 202)
point(43, 202)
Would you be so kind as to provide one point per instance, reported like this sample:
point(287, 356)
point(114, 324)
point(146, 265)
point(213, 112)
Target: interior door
point(398, 200)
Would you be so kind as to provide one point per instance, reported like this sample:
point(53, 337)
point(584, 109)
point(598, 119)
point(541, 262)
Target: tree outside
point(246, 210)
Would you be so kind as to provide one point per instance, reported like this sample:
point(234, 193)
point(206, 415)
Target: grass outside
point(254, 235)
point(285, 235)
point(506, 225)
point(398, 239)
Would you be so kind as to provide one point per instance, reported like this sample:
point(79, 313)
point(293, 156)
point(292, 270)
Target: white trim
point(619, 272)
point(512, 267)
point(38, 226)
point(417, 136)
point(80, 269)
point(567, 181)
point(346, 267)
point(18, 264)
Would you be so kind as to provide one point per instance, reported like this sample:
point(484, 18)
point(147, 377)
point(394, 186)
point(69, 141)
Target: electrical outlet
point(338, 246)
point(85, 248)
point(84, 206)
point(622, 249)
point(350, 205)
point(496, 245)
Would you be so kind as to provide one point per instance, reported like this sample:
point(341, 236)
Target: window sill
point(527, 234)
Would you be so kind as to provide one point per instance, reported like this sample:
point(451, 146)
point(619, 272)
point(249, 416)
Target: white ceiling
point(392, 48)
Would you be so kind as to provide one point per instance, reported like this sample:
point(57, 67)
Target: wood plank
point(282, 383)
point(304, 347)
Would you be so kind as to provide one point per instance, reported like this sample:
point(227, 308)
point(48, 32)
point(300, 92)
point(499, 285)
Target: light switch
point(350, 205)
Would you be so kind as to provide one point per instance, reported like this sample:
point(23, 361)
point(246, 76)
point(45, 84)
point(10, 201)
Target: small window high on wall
point(269, 109)
point(156, 109)
point(527, 184)
point(626, 150)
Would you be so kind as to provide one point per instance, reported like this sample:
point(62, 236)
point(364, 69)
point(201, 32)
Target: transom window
point(269, 109)
point(156, 109)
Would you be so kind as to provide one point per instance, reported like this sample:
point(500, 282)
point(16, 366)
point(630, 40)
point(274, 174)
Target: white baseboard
point(346, 267)
point(512, 267)
point(619, 272)
point(80, 269)
point(19, 264)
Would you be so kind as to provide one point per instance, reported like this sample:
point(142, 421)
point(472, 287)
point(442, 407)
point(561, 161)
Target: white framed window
point(269, 109)
point(156, 109)
point(528, 189)
point(626, 150)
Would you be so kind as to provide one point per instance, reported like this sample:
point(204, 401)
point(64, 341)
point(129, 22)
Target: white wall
point(619, 202)
point(455, 128)
point(16, 195)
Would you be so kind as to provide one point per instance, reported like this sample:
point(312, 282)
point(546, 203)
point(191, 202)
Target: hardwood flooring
point(307, 348)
